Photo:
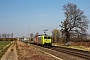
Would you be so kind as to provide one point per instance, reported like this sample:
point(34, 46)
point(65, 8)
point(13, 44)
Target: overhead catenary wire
point(51, 26)
point(82, 10)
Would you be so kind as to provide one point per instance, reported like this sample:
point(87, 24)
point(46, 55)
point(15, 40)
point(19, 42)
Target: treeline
point(57, 36)
point(6, 35)
point(7, 39)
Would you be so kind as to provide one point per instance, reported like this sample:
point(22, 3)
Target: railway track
point(66, 53)
point(78, 53)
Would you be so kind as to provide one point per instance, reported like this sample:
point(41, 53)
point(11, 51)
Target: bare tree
point(11, 35)
point(0, 35)
point(36, 34)
point(75, 23)
point(31, 35)
point(55, 34)
point(8, 35)
point(5, 35)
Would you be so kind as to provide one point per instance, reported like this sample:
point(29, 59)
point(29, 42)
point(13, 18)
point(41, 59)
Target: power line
point(52, 25)
point(86, 8)
point(83, 10)
point(59, 21)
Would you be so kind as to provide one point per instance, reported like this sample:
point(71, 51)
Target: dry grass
point(27, 52)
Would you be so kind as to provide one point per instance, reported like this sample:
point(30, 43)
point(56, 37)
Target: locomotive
point(44, 40)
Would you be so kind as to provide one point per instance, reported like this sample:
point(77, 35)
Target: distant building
point(23, 38)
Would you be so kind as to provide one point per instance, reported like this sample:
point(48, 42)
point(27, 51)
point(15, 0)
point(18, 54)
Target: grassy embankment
point(3, 47)
point(74, 47)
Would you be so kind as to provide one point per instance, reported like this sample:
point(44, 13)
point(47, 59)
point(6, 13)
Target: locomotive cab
point(46, 40)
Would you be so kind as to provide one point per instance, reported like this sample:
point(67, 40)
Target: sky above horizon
point(21, 17)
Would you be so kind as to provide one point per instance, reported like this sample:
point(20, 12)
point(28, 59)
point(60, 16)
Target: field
point(3, 43)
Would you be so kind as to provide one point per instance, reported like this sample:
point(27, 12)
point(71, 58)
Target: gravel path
point(11, 53)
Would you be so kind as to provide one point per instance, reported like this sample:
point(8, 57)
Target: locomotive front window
point(45, 37)
point(48, 37)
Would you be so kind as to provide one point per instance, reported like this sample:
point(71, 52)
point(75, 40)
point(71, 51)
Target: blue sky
point(16, 16)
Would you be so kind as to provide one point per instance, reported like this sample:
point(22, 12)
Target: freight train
point(44, 40)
